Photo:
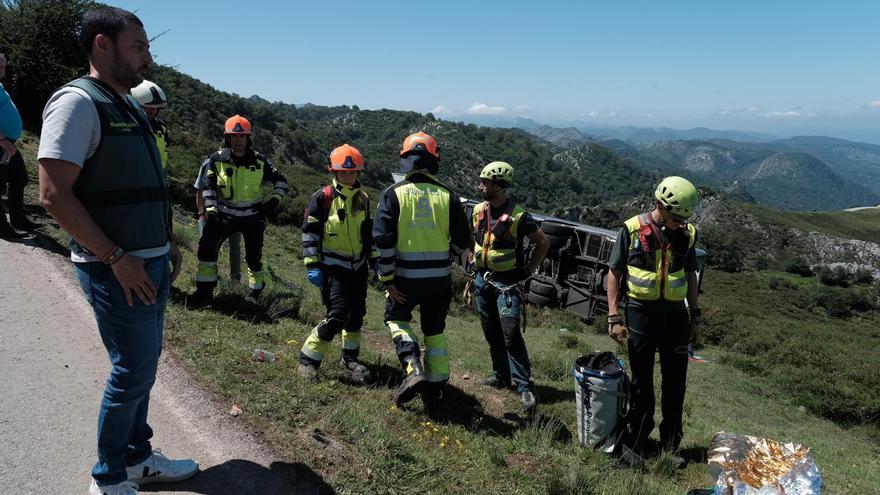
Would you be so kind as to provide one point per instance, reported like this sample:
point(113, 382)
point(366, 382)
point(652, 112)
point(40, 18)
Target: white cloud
point(483, 109)
point(593, 114)
point(440, 109)
point(736, 111)
point(781, 114)
point(612, 114)
point(520, 108)
point(874, 104)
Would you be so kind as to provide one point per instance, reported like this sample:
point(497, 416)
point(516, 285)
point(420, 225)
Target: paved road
point(52, 373)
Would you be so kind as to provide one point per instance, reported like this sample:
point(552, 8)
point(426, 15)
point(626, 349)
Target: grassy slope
point(862, 224)
point(483, 446)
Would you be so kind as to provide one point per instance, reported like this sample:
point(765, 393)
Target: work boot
point(494, 382)
point(24, 224)
point(528, 402)
point(412, 383)
point(253, 295)
point(308, 372)
point(359, 372)
point(201, 298)
point(630, 458)
point(10, 234)
point(432, 396)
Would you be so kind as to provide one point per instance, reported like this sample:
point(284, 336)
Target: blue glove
point(315, 277)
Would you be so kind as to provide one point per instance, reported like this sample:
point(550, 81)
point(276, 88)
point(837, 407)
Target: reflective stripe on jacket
point(499, 237)
point(655, 266)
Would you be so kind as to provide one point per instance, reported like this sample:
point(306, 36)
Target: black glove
point(269, 207)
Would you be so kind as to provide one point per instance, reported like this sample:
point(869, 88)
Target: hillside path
point(53, 367)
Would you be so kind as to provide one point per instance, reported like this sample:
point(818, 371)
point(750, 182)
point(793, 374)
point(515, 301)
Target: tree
point(43, 50)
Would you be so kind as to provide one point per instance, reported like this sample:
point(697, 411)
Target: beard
point(124, 73)
point(488, 196)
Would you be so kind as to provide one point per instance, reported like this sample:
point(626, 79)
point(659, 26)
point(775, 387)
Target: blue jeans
point(500, 313)
point(133, 339)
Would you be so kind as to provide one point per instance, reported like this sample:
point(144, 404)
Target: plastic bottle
point(265, 356)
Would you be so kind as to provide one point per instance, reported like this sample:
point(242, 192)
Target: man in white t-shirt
point(101, 178)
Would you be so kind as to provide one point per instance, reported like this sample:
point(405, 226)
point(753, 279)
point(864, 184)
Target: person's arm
point(313, 230)
point(209, 193)
point(272, 176)
point(8, 148)
point(385, 240)
point(56, 196)
point(460, 229)
point(613, 282)
point(200, 205)
point(542, 246)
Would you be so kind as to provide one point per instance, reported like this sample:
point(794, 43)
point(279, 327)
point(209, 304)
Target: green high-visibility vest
point(122, 185)
point(496, 240)
point(423, 230)
point(655, 271)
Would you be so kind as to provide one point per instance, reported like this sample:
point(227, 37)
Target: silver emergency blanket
point(745, 465)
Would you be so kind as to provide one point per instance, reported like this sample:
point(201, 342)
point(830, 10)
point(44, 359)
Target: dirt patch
point(526, 463)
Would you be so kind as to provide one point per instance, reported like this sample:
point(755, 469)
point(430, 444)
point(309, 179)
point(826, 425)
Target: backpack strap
point(326, 199)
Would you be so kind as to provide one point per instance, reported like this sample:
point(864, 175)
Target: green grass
point(762, 368)
point(862, 224)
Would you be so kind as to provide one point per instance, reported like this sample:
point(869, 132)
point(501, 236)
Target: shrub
point(799, 266)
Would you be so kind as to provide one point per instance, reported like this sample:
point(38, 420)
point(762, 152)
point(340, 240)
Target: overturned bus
point(573, 275)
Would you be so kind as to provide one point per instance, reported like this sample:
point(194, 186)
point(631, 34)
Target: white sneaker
point(157, 467)
point(124, 488)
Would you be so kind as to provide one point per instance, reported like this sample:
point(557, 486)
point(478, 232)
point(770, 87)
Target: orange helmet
point(420, 142)
point(346, 158)
point(237, 125)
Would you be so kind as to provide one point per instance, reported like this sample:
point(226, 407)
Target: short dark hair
point(108, 21)
point(3, 49)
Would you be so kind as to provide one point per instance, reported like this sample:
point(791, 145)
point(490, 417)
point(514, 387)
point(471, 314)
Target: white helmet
point(150, 95)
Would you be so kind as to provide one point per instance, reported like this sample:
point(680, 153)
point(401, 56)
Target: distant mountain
point(797, 181)
point(783, 179)
point(648, 135)
point(854, 161)
point(495, 121)
point(565, 137)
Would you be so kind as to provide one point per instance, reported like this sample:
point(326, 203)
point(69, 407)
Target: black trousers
point(344, 294)
point(667, 331)
point(432, 296)
point(15, 175)
point(219, 227)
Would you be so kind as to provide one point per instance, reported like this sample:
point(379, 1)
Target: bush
point(776, 283)
point(799, 266)
point(835, 277)
point(864, 276)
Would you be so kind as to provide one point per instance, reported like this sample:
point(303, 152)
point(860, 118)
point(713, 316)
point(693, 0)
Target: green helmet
point(501, 171)
point(678, 195)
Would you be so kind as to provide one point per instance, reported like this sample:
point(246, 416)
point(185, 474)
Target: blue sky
point(785, 67)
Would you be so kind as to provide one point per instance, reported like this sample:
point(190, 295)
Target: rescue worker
point(233, 243)
point(418, 222)
point(500, 227)
point(234, 203)
point(337, 246)
point(654, 262)
point(153, 99)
